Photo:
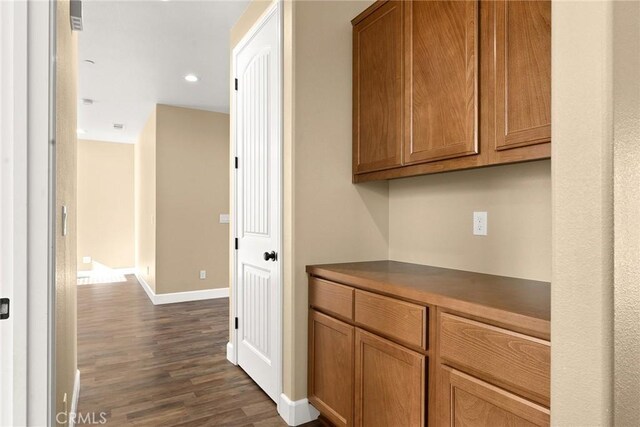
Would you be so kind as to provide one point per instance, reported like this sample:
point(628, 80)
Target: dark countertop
point(522, 304)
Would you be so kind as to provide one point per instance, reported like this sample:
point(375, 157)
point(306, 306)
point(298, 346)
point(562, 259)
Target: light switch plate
point(224, 218)
point(480, 223)
point(86, 260)
point(203, 274)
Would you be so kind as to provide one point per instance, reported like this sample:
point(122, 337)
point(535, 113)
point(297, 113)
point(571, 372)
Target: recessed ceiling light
point(81, 131)
point(191, 78)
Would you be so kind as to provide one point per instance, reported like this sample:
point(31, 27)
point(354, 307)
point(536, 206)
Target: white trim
point(13, 216)
point(159, 299)
point(274, 8)
point(146, 287)
point(74, 400)
point(123, 271)
point(298, 412)
point(231, 355)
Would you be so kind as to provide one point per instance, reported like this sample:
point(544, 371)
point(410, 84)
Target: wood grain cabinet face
point(508, 359)
point(377, 89)
point(331, 297)
point(331, 375)
point(399, 320)
point(441, 80)
point(468, 401)
point(523, 73)
point(390, 383)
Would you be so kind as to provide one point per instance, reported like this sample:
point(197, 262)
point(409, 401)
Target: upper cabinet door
point(441, 80)
point(523, 73)
point(377, 89)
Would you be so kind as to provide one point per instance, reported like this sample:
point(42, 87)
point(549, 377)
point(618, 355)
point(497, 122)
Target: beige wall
point(145, 202)
point(626, 208)
point(192, 161)
point(182, 187)
point(66, 157)
point(333, 220)
point(430, 220)
point(105, 204)
point(582, 291)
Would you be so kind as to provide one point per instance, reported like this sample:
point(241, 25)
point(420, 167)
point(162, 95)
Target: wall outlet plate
point(86, 260)
point(480, 225)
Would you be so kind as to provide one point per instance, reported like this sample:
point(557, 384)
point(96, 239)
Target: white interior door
point(258, 194)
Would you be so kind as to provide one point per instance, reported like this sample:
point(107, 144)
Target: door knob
point(273, 256)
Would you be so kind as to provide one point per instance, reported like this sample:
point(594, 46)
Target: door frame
point(13, 218)
point(28, 129)
point(232, 351)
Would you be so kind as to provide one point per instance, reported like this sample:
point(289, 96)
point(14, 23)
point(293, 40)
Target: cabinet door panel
point(441, 79)
point(331, 367)
point(523, 73)
point(390, 383)
point(468, 401)
point(377, 89)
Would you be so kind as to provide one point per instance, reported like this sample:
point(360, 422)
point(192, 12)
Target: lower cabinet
point(330, 381)
point(368, 364)
point(468, 401)
point(390, 383)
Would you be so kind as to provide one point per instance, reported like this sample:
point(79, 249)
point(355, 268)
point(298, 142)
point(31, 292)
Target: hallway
point(164, 365)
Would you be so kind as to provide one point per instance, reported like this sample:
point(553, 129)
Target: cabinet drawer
point(393, 318)
point(331, 297)
point(507, 359)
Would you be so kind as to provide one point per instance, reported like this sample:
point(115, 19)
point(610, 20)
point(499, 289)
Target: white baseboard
point(231, 356)
point(158, 299)
point(298, 412)
point(123, 271)
point(74, 399)
point(146, 288)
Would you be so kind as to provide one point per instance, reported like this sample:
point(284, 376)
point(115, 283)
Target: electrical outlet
point(86, 260)
point(203, 274)
point(480, 223)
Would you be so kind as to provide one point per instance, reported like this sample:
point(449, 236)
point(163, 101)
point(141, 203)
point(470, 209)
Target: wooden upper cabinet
point(523, 73)
point(377, 89)
point(442, 85)
point(441, 80)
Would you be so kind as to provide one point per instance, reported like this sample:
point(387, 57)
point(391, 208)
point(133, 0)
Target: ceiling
point(142, 50)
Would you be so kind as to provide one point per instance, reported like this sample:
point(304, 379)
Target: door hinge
point(236, 163)
point(4, 308)
point(236, 83)
point(236, 323)
point(236, 243)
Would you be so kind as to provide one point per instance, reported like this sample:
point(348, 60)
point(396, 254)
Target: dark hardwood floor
point(163, 365)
